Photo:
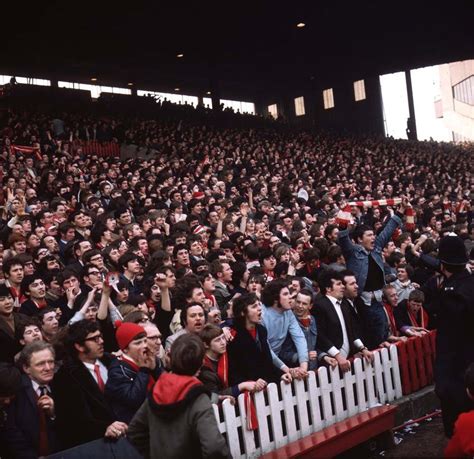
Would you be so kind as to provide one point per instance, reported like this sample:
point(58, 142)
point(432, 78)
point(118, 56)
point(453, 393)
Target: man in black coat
point(355, 302)
point(337, 331)
point(455, 337)
point(250, 357)
point(83, 412)
point(33, 288)
point(31, 426)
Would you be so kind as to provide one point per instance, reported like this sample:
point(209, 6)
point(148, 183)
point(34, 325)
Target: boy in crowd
point(133, 374)
point(214, 373)
point(178, 419)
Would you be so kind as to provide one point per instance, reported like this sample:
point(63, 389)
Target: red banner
point(27, 150)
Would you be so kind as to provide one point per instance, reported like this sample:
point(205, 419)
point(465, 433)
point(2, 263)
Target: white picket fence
point(304, 407)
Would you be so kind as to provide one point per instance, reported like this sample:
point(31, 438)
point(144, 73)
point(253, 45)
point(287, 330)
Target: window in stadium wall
point(207, 101)
point(359, 90)
point(170, 97)
point(238, 106)
point(299, 106)
point(273, 110)
point(5, 79)
point(395, 104)
point(95, 90)
point(328, 98)
point(435, 114)
point(464, 91)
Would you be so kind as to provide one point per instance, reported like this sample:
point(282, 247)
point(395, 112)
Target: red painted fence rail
point(416, 358)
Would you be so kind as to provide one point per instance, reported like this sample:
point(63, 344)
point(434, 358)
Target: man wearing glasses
point(94, 257)
point(92, 278)
point(83, 412)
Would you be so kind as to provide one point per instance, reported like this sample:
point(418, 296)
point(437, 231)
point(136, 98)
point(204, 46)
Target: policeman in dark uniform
point(455, 336)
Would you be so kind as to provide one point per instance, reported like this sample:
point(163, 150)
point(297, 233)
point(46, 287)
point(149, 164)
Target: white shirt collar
point(90, 366)
point(333, 300)
point(36, 386)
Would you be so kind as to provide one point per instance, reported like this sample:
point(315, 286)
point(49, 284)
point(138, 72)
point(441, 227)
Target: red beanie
point(126, 332)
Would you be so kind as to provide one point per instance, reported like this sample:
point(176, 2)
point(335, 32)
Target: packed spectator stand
point(262, 249)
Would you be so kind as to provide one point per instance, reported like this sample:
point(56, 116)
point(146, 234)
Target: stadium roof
point(250, 47)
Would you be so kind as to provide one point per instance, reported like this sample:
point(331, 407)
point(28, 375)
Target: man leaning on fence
point(337, 334)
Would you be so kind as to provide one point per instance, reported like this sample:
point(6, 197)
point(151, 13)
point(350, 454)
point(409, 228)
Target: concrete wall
point(347, 116)
point(457, 116)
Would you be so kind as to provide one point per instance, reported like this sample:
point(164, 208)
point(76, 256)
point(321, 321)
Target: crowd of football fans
point(220, 260)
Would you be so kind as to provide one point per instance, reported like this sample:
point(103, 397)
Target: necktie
point(43, 433)
point(100, 381)
point(43, 390)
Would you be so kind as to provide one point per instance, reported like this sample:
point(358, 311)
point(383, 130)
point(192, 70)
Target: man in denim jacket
point(365, 259)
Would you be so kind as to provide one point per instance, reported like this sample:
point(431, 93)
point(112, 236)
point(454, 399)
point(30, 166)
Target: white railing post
point(302, 396)
point(263, 433)
point(232, 422)
point(365, 386)
point(248, 435)
point(397, 380)
point(276, 406)
point(289, 412)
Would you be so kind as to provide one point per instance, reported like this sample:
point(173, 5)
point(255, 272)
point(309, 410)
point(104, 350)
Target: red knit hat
point(126, 332)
